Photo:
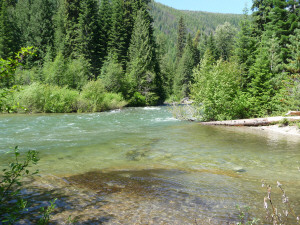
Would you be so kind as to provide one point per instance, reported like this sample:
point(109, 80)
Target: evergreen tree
point(246, 43)
point(294, 48)
point(41, 30)
point(22, 20)
point(105, 14)
point(7, 43)
point(143, 70)
point(59, 20)
point(117, 44)
point(260, 87)
point(261, 10)
point(88, 34)
point(211, 45)
point(71, 19)
point(185, 68)
point(181, 38)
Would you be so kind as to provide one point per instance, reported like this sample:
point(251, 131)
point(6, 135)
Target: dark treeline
point(78, 42)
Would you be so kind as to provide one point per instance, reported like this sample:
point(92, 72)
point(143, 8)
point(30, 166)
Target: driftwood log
point(253, 122)
point(293, 113)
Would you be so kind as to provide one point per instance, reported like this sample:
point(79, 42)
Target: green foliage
point(46, 213)
point(94, 98)
point(217, 90)
point(113, 76)
point(185, 68)
point(142, 70)
point(73, 73)
point(7, 36)
point(11, 202)
point(89, 45)
point(181, 38)
point(38, 98)
point(225, 39)
point(137, 100)
point(116, 44)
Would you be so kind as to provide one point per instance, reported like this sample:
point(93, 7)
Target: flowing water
point(142, 166)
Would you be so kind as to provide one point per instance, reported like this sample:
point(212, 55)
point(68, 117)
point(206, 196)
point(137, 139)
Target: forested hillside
point(166, 22)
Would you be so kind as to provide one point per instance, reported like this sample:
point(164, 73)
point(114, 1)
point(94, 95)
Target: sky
point(220, 6)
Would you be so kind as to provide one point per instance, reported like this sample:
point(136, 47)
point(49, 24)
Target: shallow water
point(153, 168)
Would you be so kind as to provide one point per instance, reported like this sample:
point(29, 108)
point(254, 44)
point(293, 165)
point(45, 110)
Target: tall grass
point(46, 98)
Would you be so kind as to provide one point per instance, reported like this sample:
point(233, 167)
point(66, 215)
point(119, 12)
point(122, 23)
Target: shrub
point(112, 75)
point(217, 90)
point(137, 100)
point(94, 98)
point(46, 98)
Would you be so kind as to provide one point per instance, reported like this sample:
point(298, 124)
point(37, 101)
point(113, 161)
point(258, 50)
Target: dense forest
point(94, 55)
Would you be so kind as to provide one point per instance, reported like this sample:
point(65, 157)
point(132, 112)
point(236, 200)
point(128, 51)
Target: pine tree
point(7, 43)
point(22, 20)
point(59, 20)
point(143, 70)
point(211, 45)
point(185, 68)
point(89, 45)
point(261, 10)
point(117, 44)
point(294, 48)
point(105, 14)
point(71, 19)
point(41, 26)
point(181, 38)
point(260, 86)
point(246, 43)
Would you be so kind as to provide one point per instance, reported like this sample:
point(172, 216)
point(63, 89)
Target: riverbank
point(285, 130)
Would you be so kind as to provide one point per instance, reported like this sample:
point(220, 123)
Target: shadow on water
point(115, 197)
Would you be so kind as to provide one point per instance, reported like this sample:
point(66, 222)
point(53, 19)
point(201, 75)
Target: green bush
point(217, 90)
point(72, 73)
point(137, 100)
point(46, 98)
point(94, 98)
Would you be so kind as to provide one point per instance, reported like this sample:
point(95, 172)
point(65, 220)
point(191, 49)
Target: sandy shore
point(286, 130)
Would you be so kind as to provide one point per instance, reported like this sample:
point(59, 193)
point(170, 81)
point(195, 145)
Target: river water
point(142, 166)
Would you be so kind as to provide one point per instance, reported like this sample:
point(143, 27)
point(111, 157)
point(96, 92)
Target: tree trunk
point(252, 122)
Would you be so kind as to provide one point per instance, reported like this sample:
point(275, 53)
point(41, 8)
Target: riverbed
point(142, 166)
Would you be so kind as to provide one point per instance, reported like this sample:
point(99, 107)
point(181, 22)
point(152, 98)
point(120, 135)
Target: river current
point(142, 166)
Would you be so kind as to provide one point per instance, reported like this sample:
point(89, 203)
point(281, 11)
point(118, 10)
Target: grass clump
point(46, 98)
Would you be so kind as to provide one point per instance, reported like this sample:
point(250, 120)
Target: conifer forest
point(93, 56)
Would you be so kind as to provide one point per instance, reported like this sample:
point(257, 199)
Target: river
point(142, 166)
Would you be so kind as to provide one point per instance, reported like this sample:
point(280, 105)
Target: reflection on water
point(139, 165)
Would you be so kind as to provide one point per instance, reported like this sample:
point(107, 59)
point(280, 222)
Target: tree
point(260, 87)
point(185, 68)
point(89, 31)
point(117, 44)
point(105, 14)
point(7, 44)
point(216, 89)
point(245, 42)
point(71, 19)
point(143, 70)
point(294, 60)
point(225, 39)
point(181, 38)
point(112, 75)
point(41, 30)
